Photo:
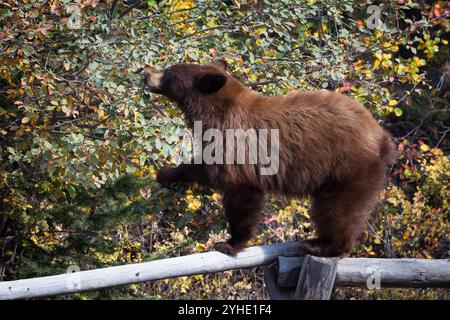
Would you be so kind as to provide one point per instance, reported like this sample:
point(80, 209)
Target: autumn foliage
point(81, 139)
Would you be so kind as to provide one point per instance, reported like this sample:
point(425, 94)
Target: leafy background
point(81, 139)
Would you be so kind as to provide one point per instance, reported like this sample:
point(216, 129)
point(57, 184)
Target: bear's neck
point(211, 114)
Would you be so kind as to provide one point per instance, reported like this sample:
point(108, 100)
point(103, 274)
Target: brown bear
point(330, 147)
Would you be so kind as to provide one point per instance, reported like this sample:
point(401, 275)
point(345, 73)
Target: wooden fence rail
point(349, 272)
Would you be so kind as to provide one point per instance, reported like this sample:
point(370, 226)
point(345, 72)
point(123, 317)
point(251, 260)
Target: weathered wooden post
point(316, 278)
point(275, 291)
point(289, 269)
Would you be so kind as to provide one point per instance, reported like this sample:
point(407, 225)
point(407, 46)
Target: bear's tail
point(388, 150)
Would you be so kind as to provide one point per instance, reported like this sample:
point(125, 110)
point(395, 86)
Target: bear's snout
point(153, 79)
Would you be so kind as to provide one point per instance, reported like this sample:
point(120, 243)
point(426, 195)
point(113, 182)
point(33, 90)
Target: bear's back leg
point(341, 212)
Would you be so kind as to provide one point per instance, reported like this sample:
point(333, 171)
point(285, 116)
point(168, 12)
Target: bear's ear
point(220, 63)
point(211, 82)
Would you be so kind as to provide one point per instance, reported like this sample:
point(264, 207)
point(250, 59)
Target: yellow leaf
point(402, 69)
point(376, 64)
point(200, 247)
point(424, 147)
point(393, 102)
point(407, 173)
point(101, 114)
point(194, 205)
point(378, 55)
point(198, 277)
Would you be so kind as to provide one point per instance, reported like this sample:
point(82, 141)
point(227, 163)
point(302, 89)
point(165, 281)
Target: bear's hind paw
point(321, 248)
point(226, 248)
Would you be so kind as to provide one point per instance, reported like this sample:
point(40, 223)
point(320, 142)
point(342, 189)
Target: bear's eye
point(173, 86)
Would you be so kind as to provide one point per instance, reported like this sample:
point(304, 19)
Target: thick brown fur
point(330, 148)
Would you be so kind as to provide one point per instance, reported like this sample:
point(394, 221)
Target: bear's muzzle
point(153, 79)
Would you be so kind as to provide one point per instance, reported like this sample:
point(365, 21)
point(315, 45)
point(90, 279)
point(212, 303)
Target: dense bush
point(81, 139)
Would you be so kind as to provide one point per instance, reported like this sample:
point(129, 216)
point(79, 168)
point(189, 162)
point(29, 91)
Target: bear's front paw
point(226, 248)
point(166, 176)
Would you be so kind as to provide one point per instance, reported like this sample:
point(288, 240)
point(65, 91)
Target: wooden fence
point(286, 276)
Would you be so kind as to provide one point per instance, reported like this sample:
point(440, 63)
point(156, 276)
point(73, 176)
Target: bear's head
point(181, 81)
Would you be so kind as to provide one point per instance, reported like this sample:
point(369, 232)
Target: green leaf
point(398, 112)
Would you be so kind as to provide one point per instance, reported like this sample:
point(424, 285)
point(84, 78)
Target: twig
point(136, 4)
point(113, 9)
